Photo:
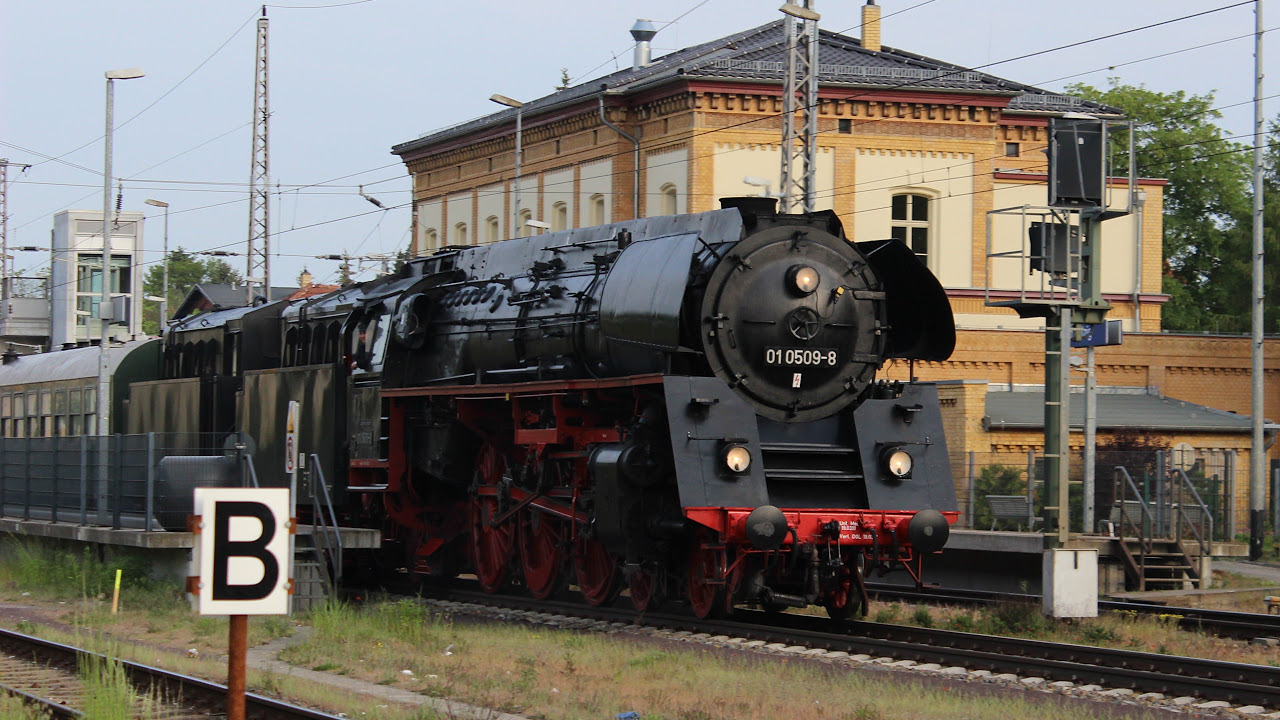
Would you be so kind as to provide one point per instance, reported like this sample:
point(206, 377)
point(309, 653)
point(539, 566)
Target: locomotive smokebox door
point(715, 443)
point(904, 451)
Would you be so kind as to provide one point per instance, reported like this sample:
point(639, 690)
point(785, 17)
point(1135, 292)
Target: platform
point(352, 538)
point(1000, 561)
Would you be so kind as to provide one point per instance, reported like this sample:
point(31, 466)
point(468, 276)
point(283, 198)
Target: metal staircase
point(317, 554)
point(1151, 542)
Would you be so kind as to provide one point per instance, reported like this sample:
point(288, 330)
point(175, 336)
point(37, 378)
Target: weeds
point(923, 617)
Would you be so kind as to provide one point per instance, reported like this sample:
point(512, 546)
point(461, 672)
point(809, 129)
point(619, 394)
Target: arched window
point(491, 229)
point(909, 222)
point(459, 235)
point(667, 200)
point(596, 206)
point(430, 240)
point(524, 230)
point(559, 217)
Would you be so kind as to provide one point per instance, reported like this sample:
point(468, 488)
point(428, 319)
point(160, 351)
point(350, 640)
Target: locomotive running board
point(500, 390)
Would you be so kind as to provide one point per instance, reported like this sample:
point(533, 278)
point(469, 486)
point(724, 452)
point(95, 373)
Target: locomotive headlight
point(802, 279)
point(737, 458)
point(897, 462)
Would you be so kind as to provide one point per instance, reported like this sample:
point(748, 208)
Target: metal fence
point(1159, 480)
point(114, 481)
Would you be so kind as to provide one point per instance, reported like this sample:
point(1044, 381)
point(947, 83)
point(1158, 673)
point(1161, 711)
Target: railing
point(1142, 532)
point(108, 481)
point(324, 520)
point(1202, 530)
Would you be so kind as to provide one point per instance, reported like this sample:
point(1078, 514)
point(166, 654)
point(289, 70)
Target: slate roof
point(1024, 410)
point(758, 55)
point(220, 296)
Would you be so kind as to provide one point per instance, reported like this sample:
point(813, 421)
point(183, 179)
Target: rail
point(325, 520)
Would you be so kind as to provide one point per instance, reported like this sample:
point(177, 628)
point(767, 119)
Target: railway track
point(45, 673)
point(1225, 623)
point(1208, 680)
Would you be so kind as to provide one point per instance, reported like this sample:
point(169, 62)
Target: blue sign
point(1097, 334)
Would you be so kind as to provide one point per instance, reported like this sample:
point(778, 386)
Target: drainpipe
point(1139, 202)
point(635, 150)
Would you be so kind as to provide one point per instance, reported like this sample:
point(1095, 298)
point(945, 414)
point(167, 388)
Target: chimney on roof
point(643, 31)
point(871, 26)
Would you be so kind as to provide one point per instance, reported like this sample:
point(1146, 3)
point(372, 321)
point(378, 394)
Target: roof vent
point(643, 31)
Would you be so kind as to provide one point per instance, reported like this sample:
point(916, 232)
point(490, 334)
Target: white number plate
point(803, 357)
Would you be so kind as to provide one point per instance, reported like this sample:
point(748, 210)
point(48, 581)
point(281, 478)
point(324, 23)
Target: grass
point(12, 708)
point(547, 672)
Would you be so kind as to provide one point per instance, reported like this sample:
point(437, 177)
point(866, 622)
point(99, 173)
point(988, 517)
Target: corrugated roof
point(759, 54)
point(1024, 410)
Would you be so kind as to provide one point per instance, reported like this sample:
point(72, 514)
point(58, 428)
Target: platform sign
point(291, 438)
point(241, 560)
point(1098, 334)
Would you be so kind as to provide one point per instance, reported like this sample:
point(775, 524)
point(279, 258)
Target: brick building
point(908, 147)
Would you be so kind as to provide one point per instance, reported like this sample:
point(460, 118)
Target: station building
point(909, 147)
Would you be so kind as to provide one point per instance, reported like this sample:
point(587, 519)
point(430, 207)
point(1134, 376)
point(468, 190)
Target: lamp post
point(515, 194)
point(164, 296)
point(104, 307)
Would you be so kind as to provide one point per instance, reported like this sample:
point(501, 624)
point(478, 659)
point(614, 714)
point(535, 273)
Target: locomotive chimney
point(643, 31)
point(871, 26)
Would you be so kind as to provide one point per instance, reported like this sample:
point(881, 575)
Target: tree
point(565, 80)
point(185, 272)
point(1177, 138)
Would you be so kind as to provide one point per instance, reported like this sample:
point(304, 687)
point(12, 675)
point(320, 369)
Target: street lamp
point(104, 307)
point(164, 296)
point(515, 202)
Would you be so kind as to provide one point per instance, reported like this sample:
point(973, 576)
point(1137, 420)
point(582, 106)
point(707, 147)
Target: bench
point(1010, 507)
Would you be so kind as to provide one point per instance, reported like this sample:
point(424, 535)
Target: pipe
point(1139, 202)
point(635, 149)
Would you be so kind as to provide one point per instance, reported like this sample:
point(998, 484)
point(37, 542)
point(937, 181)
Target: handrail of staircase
point(1203, 533)
point(1143, 531)
point(325, 518)
point(253, 474)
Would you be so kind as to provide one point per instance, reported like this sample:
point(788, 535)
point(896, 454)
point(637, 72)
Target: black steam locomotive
point(676, 406)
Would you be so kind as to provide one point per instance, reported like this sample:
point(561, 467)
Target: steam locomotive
point(678, 406)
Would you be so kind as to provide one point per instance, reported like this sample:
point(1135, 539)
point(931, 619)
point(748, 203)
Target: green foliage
point(996, 479)
point(922, 617)
point(1208, 205)
point(185, 272)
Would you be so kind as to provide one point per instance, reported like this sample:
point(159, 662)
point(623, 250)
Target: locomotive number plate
point(803, 357)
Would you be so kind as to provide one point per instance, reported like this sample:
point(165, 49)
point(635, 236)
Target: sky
point(349, 79)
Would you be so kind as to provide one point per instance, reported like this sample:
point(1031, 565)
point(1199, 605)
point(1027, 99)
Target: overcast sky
point(350, 80)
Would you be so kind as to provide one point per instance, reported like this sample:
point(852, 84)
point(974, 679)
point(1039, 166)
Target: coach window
point(909, 222)
point(46, 414)
point(19, 415)
point(90, 411)
point(74, 408)
point(60, 413)
point(33, 414)
point(6, 412)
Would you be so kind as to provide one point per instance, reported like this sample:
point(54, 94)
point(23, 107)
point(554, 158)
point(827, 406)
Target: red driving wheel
point(542, 553)
point(706, 580)
point(641, 586)
point(491, 545)
point(597, 571)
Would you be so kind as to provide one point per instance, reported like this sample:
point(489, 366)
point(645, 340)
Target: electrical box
point(1077, 162)
point(1055, 248)
point(119, 311)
